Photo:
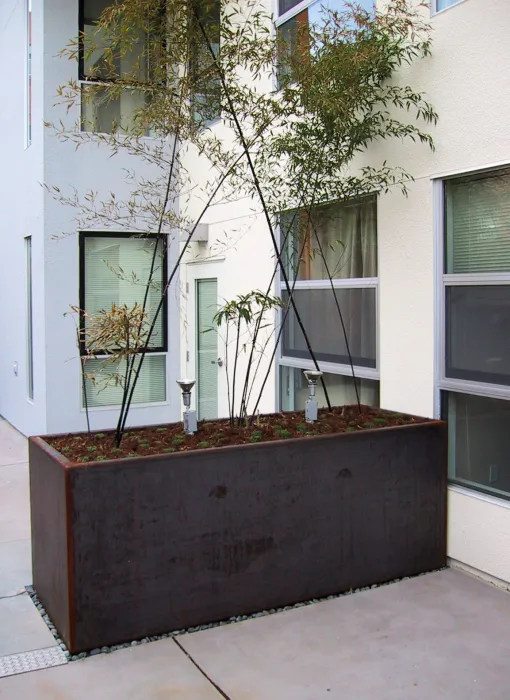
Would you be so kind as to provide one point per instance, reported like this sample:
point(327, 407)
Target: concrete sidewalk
point(21, 627)
point(444, 635)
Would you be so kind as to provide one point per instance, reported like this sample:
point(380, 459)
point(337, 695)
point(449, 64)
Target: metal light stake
point(311, 406)
point(189, 417)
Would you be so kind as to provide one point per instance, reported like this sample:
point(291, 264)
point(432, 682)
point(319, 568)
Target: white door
point(206, 295)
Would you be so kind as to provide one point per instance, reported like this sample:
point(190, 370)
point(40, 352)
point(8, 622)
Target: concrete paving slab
point(15, 503)
point(15, 567)
point(13, 445)
point(157, 671)
point(444, 635)
point(22, 627)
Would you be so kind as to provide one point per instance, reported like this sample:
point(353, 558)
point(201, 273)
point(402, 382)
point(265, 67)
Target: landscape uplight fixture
point(189, 417)
point(311, 406)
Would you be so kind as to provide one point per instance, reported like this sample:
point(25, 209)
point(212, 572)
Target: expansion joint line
point(215, 685)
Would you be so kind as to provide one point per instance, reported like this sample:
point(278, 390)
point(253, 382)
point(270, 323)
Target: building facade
point(49, 262)
point(424, 280)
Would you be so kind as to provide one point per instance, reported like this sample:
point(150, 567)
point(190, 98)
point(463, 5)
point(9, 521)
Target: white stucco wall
point(21, 204)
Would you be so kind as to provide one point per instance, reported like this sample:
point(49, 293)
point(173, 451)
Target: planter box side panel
point(48, 503)
point(200, 537)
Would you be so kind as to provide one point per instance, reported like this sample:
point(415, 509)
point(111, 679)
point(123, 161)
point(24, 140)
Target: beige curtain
point(346, 235)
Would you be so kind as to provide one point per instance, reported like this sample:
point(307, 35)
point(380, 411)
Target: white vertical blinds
point(207, 349)
point(117, 272)
point(104, 383)
point(478, 224)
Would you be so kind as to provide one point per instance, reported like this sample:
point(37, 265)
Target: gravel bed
point(273, 611)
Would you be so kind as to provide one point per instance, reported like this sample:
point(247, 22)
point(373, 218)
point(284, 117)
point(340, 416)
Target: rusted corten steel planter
point(138, 547)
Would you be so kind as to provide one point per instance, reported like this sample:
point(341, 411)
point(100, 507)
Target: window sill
point(480, 495)
point(330, 368)
point(116, 407)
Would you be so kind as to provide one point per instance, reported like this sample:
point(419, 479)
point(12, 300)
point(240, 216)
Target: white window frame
point(164, 350)
point(435, 11)
point(327, 367)
point(444, 280)
point(281, 19)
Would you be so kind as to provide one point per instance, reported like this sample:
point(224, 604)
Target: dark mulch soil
point(98, 447)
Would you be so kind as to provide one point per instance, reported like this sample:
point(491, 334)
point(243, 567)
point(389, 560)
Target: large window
point(115, 269)
point(475, 366)
point(330, 256)
point(101, 113)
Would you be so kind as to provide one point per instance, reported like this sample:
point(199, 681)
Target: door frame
point(202, 270)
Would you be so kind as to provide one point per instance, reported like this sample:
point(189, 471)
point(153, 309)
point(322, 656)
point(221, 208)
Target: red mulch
point(100, 446)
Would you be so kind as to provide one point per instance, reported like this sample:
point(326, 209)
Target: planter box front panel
point(170, 542)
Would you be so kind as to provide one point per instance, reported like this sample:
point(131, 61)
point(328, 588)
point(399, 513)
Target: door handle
point(218, 362)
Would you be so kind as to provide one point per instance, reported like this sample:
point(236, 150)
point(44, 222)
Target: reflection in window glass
point(319, 314)
point(443, 4)
point(207, 84)
point(100, 113)
point(478, 333)
point(341, 391)
point(479, 442)
point(97, 64)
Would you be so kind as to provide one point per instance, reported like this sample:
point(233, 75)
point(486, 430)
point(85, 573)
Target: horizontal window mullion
point(494, 391)
point(330, 368)
point(102, 355)
point(354, 283)
point(293, 12)
point(489, 278)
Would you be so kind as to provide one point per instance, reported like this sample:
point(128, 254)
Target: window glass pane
point(207, 84)
point(286, 5)
point(443, 4)
point(479, 442)
point(117, 272)
point(321, 321)
point(337, 240)
point(97, 64)
point(103, 115)
point(30, 343)
point(341, 391)
point(291, 34)
point(478, 224)
point(104, 383)
point(478, 333)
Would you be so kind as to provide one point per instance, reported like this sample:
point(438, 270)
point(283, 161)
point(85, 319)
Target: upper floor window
point(443, 4)
point(102, 111)
point(207, 85)
point(294, 16)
